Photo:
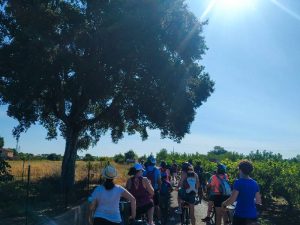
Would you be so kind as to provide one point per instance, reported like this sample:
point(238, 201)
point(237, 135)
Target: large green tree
point(87, 67)
point(1, 142)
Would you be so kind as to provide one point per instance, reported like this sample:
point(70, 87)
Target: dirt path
point(200, 211)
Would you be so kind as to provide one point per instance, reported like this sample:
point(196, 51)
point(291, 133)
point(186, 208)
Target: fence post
point(27, 195)
point(23, 170)
point(88, 178)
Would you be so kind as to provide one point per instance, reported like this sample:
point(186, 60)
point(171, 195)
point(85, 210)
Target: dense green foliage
point(4, 171)
point(119, 158)
point(128, 156)
point(1, 142)
point(276, 176)
point(86, 68)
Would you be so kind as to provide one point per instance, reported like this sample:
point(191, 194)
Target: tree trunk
point(69, 159)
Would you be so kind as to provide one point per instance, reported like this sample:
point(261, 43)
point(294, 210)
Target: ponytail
point(109, 184)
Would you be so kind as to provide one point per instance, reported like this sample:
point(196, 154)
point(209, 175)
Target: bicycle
point(185, 215)
point(125, 211)
point(229, 212)
point(164, 205)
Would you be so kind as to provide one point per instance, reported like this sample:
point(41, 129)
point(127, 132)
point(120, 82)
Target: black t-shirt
point(174, 168)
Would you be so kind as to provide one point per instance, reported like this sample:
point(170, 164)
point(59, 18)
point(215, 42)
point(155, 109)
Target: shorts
point(243, 221)
point(102, 221)
point(143, 209)
point(156, 198)
point(187, 197)
point(218, 199)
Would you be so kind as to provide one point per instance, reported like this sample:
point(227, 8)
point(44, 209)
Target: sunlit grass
point(44, 168)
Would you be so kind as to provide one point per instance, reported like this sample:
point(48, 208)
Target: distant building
point(6, 153)
point(130, 161)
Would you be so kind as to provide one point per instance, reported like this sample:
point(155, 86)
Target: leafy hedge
point(276, 176)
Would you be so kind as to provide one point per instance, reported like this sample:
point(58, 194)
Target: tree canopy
point(130, 155)
point(86, 68)
point(1, 142)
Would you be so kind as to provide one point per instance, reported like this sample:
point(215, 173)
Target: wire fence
point(31, 190)
point(75, 216)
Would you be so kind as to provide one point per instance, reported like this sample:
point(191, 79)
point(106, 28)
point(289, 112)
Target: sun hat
point(138, 166)
point(109, 172)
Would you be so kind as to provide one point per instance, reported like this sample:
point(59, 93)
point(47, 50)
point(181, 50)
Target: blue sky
point(253, 57)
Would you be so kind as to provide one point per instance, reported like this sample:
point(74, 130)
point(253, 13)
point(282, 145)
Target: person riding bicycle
point(174, 171)
point(154, 175)
point(246, 193)
point(164, 170)
point(219, 191)
point(105, 199)
point(188, 189)
point(199, 171)
point(141, 188)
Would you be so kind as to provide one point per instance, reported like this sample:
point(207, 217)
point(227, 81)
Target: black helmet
point(185, 166)
point(163, 164)
point(221, 169)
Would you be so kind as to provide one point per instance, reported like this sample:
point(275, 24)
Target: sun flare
point(235, 4)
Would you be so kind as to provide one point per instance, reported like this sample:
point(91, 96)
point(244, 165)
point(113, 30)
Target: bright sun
point(229, 7)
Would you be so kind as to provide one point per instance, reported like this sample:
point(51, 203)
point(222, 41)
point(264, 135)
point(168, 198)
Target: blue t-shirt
point(157, 175)
point(245, 207)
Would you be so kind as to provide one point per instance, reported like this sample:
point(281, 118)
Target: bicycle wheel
point(182, 216)
point(229, 218)
point(187, 216)
point(164, 208)
point(213, 216)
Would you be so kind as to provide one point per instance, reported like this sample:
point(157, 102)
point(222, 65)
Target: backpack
point(225, 188)
point(165, 187)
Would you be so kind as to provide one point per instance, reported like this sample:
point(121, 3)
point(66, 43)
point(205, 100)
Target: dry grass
point(45, 168)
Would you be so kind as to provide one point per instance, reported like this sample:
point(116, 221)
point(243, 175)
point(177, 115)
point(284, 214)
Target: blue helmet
point(151, 160)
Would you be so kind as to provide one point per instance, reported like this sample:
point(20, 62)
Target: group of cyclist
point(148, 185)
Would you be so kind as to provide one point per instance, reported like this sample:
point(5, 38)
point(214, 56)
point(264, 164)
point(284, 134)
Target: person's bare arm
point(258, 198)
point(90, 211)
point(197, 182)
point(132, 200)
point(148, 186)
point(159, 182)
point(128, 184)
point(182, 177)
point(231, 199)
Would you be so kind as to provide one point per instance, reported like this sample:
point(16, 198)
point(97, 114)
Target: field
point(45, 197)
point(44, 168)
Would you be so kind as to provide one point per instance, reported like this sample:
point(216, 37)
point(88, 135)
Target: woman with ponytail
point(104, 201)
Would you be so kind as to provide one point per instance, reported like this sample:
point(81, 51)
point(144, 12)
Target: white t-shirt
point(108, 203)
